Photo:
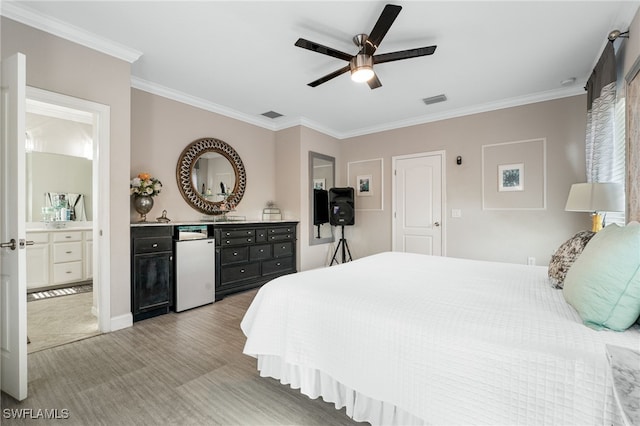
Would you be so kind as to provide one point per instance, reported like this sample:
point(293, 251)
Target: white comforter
point(435, 340)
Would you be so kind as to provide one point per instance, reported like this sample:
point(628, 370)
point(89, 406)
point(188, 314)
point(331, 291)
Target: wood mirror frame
point(184, 173)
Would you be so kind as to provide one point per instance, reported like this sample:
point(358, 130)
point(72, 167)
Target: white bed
point(410, 339)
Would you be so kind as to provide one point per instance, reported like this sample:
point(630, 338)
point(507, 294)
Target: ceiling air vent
point(272, 114)
point(434, 99)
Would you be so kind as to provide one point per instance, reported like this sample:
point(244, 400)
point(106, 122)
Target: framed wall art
point(514, 175)
point(366, 177)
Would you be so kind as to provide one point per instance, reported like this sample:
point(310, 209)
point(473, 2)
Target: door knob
point(437, 224)
point(11, 244)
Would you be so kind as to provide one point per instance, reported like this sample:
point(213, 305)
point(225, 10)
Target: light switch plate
point(456, 213)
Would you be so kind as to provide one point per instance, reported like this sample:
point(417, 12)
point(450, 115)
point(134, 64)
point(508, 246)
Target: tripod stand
point(345, 249)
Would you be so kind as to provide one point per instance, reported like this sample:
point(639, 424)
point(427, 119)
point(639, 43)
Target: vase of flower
point(143, 205)
point(143, 188)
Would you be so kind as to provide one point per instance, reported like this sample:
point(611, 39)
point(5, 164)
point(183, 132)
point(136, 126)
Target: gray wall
point(509, 236)
point(60, 66)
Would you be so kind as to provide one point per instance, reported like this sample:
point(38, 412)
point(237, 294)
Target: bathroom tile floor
point(59, 320)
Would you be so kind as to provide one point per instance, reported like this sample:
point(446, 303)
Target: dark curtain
point(601, 98)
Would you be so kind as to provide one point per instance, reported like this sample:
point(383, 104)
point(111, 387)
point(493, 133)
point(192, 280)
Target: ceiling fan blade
point(404, 54)
point(329, 76)
point(315, 47)
point(388, 15)
point(374, 82)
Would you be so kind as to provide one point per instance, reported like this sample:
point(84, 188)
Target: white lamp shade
point(594, 197)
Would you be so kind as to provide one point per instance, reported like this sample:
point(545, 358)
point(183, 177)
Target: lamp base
point(596, 219)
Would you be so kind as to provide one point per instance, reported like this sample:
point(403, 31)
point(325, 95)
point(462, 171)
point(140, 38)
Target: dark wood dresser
point(250, 254)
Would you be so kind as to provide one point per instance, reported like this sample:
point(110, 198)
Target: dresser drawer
point(237, 233)
point(152, 244)
point(276, 266)
point(281, 237)
point(260, 252)
point(67, 272)
point(234, 255)
point(231, 274)
point(67, 236)
point(282, 249)
point(228, 241)
point(67, 252)
point(261, 235)
point(281, 230)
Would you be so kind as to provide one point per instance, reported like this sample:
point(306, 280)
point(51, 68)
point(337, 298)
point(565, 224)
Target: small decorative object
point(271, 212)
point(163, 218)
point(143, 187)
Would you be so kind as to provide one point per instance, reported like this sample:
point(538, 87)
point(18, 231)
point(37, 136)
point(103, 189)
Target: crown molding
point(574, 90)
point(23, 14)
point(287, 122)
point(166, 92)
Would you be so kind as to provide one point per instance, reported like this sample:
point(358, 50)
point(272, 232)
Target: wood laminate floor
point(175, 369)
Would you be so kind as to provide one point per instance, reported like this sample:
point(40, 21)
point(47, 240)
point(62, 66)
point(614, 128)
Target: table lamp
point(595, 198)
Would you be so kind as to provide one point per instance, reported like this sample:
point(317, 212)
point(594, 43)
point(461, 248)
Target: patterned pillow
point(564, 257)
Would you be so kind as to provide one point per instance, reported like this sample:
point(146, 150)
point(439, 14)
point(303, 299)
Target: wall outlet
point(531, 261)
point(456, 213)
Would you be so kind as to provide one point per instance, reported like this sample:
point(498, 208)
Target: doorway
point(418, 183)
point(69, 286)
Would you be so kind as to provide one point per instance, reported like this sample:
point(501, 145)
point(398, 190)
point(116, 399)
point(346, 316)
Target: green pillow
point(603, 284)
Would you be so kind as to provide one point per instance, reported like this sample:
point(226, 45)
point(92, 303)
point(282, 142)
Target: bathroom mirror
point(321, 177)
point(58, 140)
point(211, 176)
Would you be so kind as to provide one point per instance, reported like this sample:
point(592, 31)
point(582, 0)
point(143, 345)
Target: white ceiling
point(238, 58)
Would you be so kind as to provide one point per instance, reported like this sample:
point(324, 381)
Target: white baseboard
point(122, 321)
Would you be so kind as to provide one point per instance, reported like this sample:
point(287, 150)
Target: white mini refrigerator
point(195, 273)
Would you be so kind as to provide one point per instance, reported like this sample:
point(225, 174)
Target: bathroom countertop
point(69, 226)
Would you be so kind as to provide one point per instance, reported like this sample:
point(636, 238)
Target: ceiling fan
point(361, 64)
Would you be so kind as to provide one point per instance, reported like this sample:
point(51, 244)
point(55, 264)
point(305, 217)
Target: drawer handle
point(278, 264)
point(68, 272)
point(248, 240)
point(228, 242)
point(248, 232)
point(67, 236)
point(235, 253)
point(242, 271)
point(68, 252)
point(227, 234)
point(154, 245)
point(261, 250)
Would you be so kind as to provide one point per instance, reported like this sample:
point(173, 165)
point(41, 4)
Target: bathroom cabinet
point(58, 257)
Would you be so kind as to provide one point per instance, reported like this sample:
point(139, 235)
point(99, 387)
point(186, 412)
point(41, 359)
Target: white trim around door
point(439, 215)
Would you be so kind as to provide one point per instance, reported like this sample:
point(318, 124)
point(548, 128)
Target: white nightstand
point(625, 369)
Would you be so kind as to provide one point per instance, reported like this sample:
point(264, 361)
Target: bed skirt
point(315, 383)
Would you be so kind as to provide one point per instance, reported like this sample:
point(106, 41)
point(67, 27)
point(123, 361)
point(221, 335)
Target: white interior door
point(13, 282)
point(418, 203)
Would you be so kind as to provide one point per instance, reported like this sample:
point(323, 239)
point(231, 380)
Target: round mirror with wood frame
point(185, 172)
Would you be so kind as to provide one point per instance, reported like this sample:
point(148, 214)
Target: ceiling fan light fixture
point(361, 68)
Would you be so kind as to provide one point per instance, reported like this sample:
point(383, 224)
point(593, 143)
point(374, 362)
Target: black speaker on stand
point(341, 213)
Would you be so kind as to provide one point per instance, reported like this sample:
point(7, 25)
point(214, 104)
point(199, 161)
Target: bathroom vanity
point(247, 255)
point(59, 257)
